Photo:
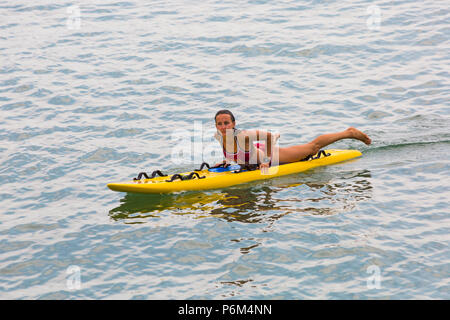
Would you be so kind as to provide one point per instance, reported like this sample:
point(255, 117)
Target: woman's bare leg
point(297, 153)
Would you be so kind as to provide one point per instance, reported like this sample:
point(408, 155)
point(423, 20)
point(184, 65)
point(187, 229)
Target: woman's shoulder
point(247, 133)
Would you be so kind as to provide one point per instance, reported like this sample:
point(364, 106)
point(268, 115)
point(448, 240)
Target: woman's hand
point(220, 163)
point(264, 168)
point(275, 136)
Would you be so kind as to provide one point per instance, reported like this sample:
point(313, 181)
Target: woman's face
point(223, 122)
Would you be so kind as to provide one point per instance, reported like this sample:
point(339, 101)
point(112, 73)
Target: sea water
point(93, 92)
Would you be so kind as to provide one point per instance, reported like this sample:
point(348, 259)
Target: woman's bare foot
point(359, 135)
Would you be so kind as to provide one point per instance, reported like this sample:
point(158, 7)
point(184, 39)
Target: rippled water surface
point(91, 92)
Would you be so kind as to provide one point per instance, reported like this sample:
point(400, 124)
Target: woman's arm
point(219, 163)
point(262, 135)
point(218, 137)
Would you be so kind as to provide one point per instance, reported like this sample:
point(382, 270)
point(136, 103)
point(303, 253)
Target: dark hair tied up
point(224, 111)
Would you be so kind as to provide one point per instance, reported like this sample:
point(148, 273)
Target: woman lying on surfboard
point(238, 145)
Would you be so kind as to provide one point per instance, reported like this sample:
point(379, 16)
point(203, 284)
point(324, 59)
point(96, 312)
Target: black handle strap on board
point(204, 164)
point(192, 175)
point(323, 153)
point(247, 167)
point(320, 153)
point(223, 165)
point(154, 174)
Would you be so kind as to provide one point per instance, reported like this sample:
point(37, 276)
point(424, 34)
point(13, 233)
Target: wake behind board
point(221, 178)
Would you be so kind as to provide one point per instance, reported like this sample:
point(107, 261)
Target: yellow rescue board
point(214, 180)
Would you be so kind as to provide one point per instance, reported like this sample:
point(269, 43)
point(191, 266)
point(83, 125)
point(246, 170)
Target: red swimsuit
point(241, 155)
